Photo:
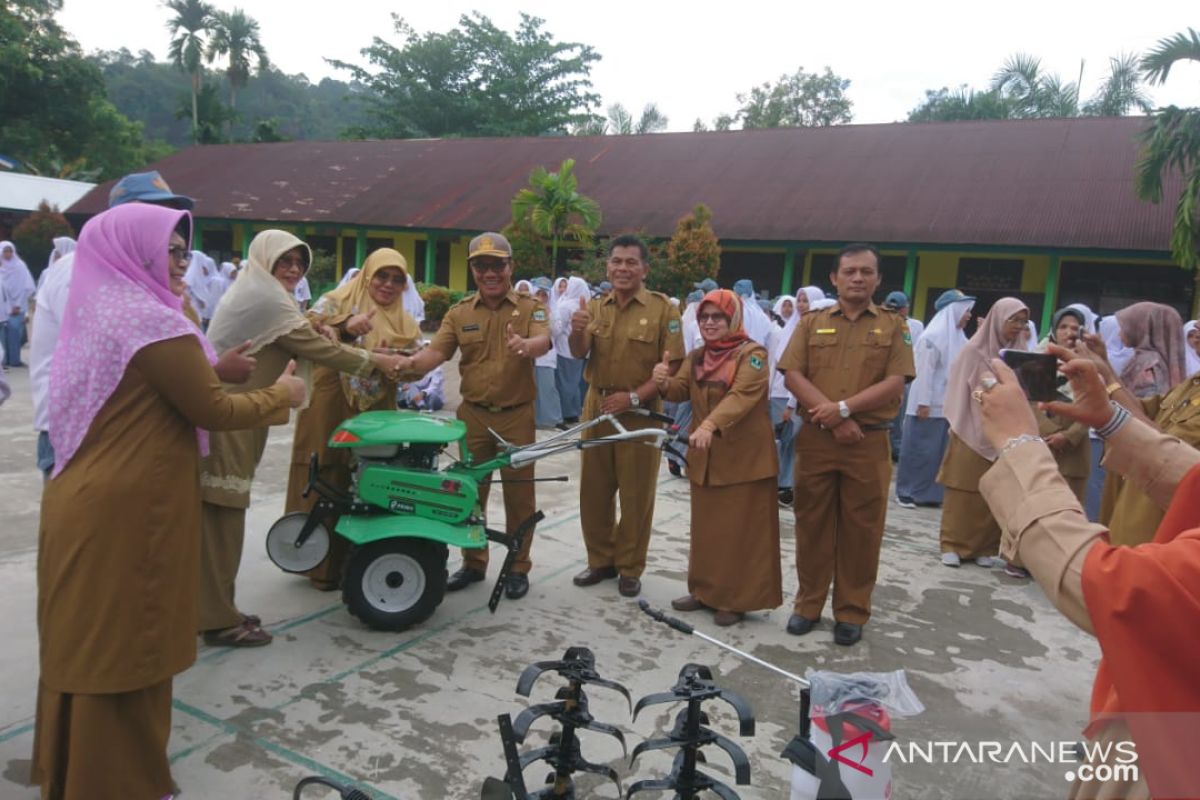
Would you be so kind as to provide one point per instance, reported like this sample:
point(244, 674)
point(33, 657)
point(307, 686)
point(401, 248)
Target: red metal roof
point(1029, 183)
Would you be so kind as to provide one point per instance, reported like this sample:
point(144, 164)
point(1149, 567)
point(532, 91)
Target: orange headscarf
point(1144, 603)
point(718, 360)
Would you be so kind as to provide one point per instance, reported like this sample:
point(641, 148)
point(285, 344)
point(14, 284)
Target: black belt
point(497, 409)
point(878, 426)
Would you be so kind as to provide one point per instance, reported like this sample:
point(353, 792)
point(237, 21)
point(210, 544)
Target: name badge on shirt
point(474, 326)
point(826, 330)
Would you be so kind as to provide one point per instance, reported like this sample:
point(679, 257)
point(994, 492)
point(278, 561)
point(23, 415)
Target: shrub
point(34, 236)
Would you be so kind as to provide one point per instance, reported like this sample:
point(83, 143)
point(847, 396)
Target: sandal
point(252, 620)
point(243, 635)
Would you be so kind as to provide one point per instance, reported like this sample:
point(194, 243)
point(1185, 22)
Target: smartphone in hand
point(1037, 373)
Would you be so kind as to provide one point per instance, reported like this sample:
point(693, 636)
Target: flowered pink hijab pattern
point(120, 301)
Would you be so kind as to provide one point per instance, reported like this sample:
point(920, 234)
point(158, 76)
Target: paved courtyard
point(413, 715)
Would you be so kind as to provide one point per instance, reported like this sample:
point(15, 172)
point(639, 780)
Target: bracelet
point(1017, 441)
point(1117, 421)
point(1113, 387)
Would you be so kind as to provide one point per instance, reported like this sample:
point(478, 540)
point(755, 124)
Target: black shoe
point(590, 576)
point(516, 586)
point(786, 498)
point(564, 426)
point(798, 625)
point(846, 633)
point(464, 578)
point(674, 469)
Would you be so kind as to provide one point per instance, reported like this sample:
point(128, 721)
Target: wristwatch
point(634, 400)
point(843, 409)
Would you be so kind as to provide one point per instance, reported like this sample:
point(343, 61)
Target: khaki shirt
point(841, 357)
point(628, 342)
point(491, 375)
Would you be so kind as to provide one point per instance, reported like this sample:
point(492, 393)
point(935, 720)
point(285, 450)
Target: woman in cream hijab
point(368, 312)
point(258, 315)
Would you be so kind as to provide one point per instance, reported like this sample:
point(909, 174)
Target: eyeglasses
point(180, 254)
point(394, 280)
point(291, 262)
point(490, 266)
point(713, 318)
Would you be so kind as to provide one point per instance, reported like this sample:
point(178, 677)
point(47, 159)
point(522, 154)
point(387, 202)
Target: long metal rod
point(685, 627)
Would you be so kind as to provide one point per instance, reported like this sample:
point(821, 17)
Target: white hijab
point(755, 321)
point(413, 304)
point(18, 283)
point(814, 295)
point(1193, 360)
point(1090, 318)
point(1118, 354)
point(778, 308)
point(201, 273)
point(349, 276)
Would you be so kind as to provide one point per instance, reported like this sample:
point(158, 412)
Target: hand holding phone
point(1037, 373)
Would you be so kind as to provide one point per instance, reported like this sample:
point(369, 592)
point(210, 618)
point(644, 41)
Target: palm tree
point(191, 23)
point(1172, 144)
point(554, 208)
point(1121, 91)
point(236, 35)
point(1030, 93)
point(621, 123)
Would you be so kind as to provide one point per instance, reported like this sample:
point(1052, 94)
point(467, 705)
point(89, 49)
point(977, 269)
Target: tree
point(1172, 145)
point(34, 235)
point(805, 99)
point(192, 22)
point(621, 123)
point(1121, 91)
point(474, 80)
point(1021, 89)
point(56, 118)
point(235, 35)
point(693, 253)
point(212, 116)
point(553, 208)
point(530, 257)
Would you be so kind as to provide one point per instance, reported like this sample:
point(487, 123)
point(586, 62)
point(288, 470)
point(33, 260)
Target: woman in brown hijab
point(969, 531)
point(368, 312)
point(734, 562)
point(1152, 386)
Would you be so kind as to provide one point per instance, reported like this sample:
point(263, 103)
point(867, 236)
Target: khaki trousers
point(840, 507)
point(628, 471)
point(222, 532)
point(516, 425)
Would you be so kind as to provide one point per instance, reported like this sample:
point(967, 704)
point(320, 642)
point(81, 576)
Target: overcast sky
point(693, 58)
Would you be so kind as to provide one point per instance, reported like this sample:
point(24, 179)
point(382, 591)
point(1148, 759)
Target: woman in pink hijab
point(132, 391)
point(969, 532)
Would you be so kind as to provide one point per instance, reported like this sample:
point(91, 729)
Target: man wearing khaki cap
point(500, 333)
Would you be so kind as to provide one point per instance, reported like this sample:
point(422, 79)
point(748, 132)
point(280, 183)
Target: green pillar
point(1051, 296)
point(360, 247)
point(789, 270)
point(197, 234)
point(430, 258)
point(910, 277)
point(806, 280)
point(247, 235)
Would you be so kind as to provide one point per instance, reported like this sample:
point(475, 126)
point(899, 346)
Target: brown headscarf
point(1155, 332)
point(969, 366)
point(718, 360)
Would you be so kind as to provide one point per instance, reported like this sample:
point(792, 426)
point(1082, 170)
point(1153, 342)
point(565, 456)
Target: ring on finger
point(989, 382)
point(977, 395)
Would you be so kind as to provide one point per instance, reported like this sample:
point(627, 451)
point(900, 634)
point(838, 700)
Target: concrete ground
point(413, 715)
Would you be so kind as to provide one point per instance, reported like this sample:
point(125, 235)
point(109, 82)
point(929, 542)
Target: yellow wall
point(458, 265)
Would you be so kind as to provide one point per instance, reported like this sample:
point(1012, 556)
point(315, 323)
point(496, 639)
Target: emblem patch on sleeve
point(907, 337)
point(539, 316)
point(673, 326)
point(756, 362)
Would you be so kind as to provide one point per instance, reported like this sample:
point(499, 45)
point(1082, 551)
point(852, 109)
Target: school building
point(1041, 209)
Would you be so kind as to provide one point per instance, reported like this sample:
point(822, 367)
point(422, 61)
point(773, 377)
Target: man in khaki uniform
point(623, 335)
point(847, 366)
point(500, 333)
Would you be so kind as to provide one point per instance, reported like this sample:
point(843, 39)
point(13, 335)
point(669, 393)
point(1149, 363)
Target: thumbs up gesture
point(516, 345)
point(360, 324)
point(294, 385)
point(662, 371)
point(580, 319)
